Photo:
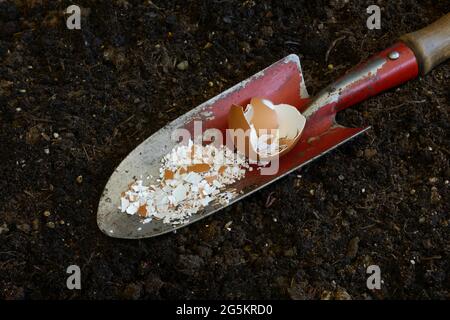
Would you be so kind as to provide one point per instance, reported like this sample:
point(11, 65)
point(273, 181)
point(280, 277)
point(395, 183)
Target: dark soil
point(381, 199)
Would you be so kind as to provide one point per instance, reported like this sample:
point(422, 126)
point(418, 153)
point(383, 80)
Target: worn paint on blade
point(332, 93)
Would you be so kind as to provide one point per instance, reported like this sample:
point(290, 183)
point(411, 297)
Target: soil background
point(73, 103)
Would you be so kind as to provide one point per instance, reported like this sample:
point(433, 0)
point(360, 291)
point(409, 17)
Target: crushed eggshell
point(191, 177)
point(272, 129)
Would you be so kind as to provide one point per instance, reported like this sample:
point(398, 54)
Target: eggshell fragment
point(263, 115)
point(238, 121)
point(237, 118)
point(292, 123)
point(193, 178)
point(199, 167)
point(272, 129)
point(179, 193)
point(142, 211)
point(168, 174)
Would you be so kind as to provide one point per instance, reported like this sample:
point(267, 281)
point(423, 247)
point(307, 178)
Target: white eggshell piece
point(248, 113)
point(193, 178)
point(133, 208)
point(179, 193)
point(124, 203)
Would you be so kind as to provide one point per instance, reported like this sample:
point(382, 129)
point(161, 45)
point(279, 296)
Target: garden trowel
point(283, 82)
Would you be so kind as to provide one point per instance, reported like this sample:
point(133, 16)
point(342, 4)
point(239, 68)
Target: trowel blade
point(281, 82)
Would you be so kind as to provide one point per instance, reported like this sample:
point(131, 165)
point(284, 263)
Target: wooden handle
point(431, 44)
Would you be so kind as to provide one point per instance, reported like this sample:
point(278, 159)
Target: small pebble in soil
point(24, 227)
point(369, 153)
point(291, 252)
point(260, 43)
point(267, 31)
point(245, 47)
point(47, 151)
point(353, 247)
point(47, 213)
point(153, 284)
point(50, 225)
point(228, 225)
point(326, 295)
point(132, 291)
point(4, 228)
point(45, 136)
point(35, 224)
point(183, 65)
point(79, 179)
point(435, 196)
point(342, 294)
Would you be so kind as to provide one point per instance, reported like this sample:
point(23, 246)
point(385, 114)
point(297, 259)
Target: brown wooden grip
point(431, 44)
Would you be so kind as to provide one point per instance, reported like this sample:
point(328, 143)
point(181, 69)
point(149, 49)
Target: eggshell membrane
point(291, 121)
point(262, 115)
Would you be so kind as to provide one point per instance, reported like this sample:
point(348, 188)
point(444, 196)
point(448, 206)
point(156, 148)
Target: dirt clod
point(353, 247)
point(132, 291)
point(183, 65)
